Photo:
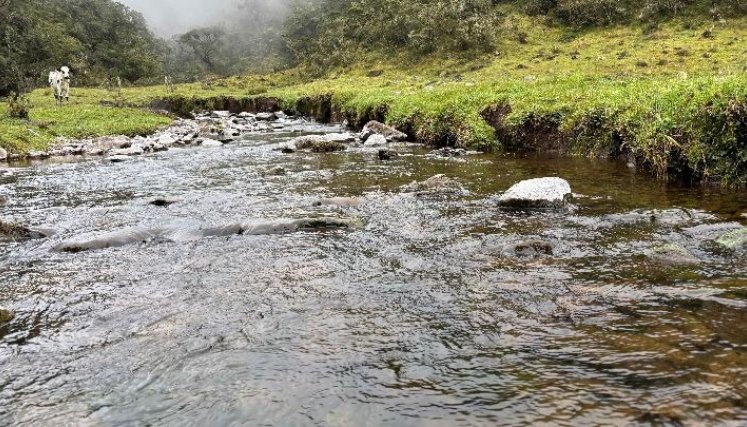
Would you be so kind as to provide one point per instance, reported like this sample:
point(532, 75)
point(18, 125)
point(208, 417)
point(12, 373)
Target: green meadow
point(672, 97)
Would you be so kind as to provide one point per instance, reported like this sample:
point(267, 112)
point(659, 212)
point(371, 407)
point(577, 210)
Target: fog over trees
point(173, 17)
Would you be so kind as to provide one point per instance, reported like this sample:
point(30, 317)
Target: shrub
point(19, 106)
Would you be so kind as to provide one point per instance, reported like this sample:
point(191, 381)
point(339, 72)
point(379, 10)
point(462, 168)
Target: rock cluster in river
point(374, 134)
point(212, 129)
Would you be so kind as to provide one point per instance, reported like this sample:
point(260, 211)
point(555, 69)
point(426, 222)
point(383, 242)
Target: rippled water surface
point(429, 315)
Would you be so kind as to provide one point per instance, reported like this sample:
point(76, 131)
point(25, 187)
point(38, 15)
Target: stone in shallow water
point(385, 155)
point(276, 171)
point(211, 143)
point(3, 155)
point(435, 184)
point(6, 315)
point(267, 117)
point(163, 202)
point(376, 128)
point(117, 159)
point(533, 249)
point(733, 240)
point(672, 253)
point(537, 193)
point(19, 232)
point(317, 144)
point(375, 141)
point(342, 202)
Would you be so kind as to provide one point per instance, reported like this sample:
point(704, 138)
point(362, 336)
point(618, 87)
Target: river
point(440, 310)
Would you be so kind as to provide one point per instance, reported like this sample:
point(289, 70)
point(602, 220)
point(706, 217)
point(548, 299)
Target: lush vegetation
point(660, 82)
point(96, 38)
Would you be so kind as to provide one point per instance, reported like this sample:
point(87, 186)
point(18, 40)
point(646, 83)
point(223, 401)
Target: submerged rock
point(733, 240)
point(377, 128)
point(162, 202)
point(385, 155)
point(266, 117)
point(533, 249)
point(537, 194)
point(672, 253)
point(343, 202)
point(6, 315)
point(110, 240)
point(117, 159)
point(437, 183)
point(134, 236)
point(19, 232)
point(450, 153)
point(317, 144)
point(276, 171)
point(211, 143)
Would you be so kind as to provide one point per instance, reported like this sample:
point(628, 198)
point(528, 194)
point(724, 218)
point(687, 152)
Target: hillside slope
point(672, 98)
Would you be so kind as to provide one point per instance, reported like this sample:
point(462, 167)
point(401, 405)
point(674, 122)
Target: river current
point(440, 310)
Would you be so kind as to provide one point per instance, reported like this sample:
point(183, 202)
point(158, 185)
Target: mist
point(167, 18)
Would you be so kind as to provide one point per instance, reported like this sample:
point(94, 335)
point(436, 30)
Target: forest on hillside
point(102, 39)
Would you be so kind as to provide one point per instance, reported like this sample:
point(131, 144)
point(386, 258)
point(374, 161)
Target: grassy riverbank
point(673, 97)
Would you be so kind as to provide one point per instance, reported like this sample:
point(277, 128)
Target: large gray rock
point(377, 128)
point(537, 194)
point(375, 141)
point(3, 155)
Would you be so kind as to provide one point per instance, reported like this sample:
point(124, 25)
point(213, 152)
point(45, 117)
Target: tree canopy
point(96, 38)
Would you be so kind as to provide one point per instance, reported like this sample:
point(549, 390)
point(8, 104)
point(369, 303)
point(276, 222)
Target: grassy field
point(672, 96)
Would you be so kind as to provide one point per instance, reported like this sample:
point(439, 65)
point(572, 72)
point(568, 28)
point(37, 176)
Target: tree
point(206, 44)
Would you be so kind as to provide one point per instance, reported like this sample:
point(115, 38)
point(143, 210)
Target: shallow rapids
point(403, 309)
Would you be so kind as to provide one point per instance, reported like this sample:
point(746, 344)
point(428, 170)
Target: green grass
point(671, 97)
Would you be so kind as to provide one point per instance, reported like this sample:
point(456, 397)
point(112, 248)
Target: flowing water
point(441, 310)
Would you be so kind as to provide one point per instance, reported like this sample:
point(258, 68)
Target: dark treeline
point(96, 38)
point(102, 39)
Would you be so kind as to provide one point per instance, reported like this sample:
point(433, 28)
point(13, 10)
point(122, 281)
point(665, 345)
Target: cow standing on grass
point(59, 81)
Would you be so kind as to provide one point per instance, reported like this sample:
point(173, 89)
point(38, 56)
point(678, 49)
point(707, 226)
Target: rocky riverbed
point(268, 270)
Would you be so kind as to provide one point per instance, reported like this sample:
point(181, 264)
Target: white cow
point(59, 81)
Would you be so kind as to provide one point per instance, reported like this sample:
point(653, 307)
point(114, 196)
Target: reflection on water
point(441, 310)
